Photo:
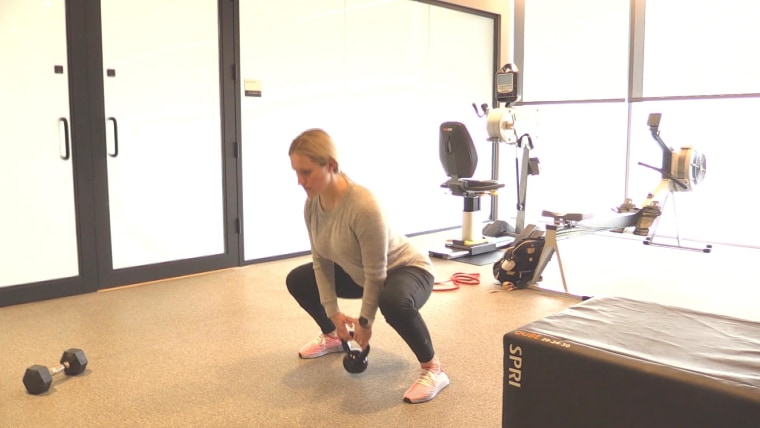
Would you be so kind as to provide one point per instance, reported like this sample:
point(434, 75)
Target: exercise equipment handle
point(57, 369)
point(666, 175)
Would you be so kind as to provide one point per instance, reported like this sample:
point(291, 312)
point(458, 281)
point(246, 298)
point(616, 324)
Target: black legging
point(404, 293)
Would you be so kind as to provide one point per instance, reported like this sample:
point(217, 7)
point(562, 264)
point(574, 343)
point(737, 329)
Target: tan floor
point(219, 349)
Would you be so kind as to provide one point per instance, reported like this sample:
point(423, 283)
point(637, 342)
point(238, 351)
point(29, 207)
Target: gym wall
point(132, 152)
point(380, 77)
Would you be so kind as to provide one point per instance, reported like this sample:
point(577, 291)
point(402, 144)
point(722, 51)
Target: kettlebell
point(355, 360)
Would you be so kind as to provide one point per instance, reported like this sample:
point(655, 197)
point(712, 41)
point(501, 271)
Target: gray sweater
point(356, 236)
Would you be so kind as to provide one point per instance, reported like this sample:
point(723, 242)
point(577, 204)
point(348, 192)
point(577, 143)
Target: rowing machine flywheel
point(691, 167)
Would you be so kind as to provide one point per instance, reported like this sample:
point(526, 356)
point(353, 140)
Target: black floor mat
point(481, 259)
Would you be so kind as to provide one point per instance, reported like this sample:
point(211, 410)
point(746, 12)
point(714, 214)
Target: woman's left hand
point(362, 335)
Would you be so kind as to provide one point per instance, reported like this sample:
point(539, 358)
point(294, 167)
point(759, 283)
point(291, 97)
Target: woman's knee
point(300, 279)
point(396, 306)
point(405, 292)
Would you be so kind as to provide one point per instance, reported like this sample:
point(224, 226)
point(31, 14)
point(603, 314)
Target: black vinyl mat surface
point(481, 259)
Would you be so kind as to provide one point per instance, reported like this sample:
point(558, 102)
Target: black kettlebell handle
point(356, 353)
point(362, 354)
point(355, 361)
point(345, 345)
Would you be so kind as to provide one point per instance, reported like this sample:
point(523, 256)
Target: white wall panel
point(380, 77)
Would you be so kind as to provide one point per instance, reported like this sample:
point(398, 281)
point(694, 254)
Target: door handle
point(64, 146)
point(115, 138)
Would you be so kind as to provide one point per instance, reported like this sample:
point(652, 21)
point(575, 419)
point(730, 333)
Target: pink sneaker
point(426, 387)
point(324, 344)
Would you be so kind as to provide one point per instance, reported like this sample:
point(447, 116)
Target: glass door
point(163, 130)
point(38, 233)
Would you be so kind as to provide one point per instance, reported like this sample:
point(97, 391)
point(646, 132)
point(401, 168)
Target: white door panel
point(162, 103)
point(38, 239)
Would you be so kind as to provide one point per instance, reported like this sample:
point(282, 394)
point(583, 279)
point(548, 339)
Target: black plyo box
point(614, 362)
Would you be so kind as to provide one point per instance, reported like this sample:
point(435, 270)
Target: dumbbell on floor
point(38, 379)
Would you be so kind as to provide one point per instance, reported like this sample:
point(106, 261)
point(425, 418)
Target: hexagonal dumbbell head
point(37, 379)
point(74, 360)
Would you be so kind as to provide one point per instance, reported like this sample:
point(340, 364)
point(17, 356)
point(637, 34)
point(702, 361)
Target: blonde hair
point(317, 145)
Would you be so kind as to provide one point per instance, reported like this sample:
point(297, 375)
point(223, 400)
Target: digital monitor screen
point(504, 83)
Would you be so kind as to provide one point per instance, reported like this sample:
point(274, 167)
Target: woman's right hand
point(342, 324)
